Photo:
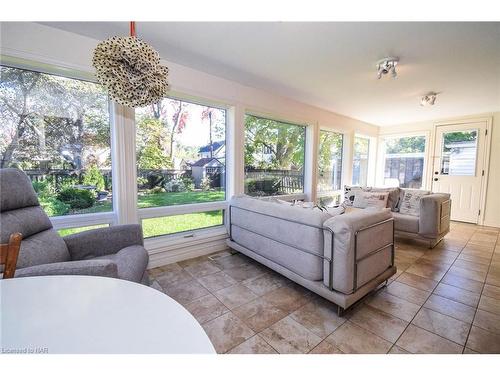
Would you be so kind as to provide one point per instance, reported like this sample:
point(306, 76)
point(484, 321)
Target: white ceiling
point(332, 65)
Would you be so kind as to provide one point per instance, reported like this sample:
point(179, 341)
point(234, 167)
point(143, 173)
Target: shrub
point(94, 177)
point(174, 186)
point(205, 184)
point(156, 190)
point(263, 187)
point(44, 188)
point(76, 198)
point(188, 182)
point(141, 181)
point(53, 206)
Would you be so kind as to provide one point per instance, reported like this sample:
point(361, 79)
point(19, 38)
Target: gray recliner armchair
point(116, 251)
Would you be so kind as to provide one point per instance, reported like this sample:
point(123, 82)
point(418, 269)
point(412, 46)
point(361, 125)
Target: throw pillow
point(350, 194)
point(393, 200)
point(410, 204)
point(371, 200)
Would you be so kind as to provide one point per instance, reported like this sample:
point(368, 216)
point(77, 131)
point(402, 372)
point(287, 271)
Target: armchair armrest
point(91, 267)
point(434, 214)
point(103, 241)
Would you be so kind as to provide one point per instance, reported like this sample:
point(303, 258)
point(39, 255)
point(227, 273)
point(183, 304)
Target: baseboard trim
point(163, 256)
point(491, 224)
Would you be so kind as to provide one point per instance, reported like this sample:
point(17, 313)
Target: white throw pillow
point(335, 211)
point(410, 204)
point(371, 200)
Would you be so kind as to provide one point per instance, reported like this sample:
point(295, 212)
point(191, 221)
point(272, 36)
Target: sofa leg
point(340, 311)
point(433, 243)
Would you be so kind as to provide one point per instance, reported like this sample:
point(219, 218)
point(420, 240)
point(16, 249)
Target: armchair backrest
point(20, 211)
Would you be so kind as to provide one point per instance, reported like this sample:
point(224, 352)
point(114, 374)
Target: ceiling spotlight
point(387, 65)
point(428, 99)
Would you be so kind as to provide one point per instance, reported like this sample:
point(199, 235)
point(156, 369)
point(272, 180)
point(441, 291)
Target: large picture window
point(57, 130)
point(360, 161)
point(181, 158)
point(274, 157)
point(329, 161)
point(404, 161)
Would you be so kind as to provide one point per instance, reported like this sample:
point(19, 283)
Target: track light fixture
point(428, 99)
point(387, 65)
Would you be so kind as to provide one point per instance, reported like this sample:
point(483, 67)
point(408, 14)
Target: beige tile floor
point(444, 300)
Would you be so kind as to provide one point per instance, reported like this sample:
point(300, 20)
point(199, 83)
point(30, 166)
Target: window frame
point(307, 139)
point(321, 194)
point(369, 154)
point(427, 155)
point(78, 220)
point(181, 209)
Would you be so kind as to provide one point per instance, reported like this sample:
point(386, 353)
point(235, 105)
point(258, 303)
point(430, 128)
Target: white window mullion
point(124, 164)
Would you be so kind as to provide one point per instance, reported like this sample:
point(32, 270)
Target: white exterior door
point(458, 167)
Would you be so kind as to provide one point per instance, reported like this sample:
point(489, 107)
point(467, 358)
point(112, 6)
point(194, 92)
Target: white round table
point(86, 314)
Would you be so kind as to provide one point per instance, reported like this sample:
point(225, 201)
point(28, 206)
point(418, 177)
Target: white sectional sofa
point(341, 258)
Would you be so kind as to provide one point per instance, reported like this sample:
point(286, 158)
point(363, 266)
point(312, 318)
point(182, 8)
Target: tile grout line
point(480, 295)
point(431, 293)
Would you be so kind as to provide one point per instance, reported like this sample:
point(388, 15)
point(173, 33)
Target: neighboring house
point(218, 151)
point(204, 168)
point(460, 158)
point(185, 165)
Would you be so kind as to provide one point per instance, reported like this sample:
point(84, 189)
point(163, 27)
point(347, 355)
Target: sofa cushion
point(371, 199)
point(405, 223)
point(131, 262)
point(350, 193)
point(393, 200)
point(410, 204)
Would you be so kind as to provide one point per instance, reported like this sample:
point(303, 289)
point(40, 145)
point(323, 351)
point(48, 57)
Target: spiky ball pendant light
point(130, 70)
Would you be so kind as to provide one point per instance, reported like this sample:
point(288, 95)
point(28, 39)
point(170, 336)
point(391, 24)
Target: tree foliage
point(405, 145)
point(283, 144)
point(50, 120)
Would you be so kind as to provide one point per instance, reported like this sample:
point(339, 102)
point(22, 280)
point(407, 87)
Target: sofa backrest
point(392, 202)
point(20, 211)
point(288, 235)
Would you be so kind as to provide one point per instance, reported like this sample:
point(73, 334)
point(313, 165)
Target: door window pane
point(159, 226)
point(404, 161)
point(274, 157)
point(360, 161)
point(181, 153)
point(330, 161)
point(459, 151)
point(57, 130)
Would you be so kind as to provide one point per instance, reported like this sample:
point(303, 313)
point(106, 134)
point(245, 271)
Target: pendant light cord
point(132, 28)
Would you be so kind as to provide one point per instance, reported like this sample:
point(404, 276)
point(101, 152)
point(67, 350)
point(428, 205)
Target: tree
point(285, 142)
point(150, 143)
point(330, 147)
point(175, 123)
point(15, 109)
point(405, 145)
point(216, 120)
point(51, 119)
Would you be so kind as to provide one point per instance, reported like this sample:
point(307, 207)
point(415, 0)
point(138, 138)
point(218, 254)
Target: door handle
point(436, 179)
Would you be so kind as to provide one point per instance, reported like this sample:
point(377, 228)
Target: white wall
point(492, 211)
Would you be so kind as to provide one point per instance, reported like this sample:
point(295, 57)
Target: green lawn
point(160, 199)
point(165, 225)
point(68, 231)
point(158, 226)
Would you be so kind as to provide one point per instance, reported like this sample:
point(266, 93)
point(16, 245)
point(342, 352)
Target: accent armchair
point(116, 251)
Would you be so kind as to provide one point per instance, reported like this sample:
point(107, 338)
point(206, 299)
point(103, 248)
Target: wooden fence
point(406, 169)
point(284, 181)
